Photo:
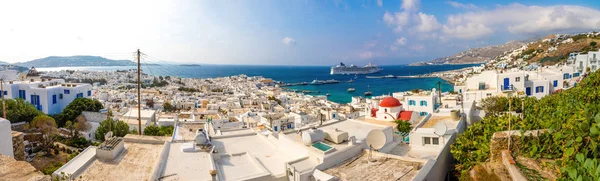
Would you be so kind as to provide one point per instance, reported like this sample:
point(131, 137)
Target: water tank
point(455, 115)
point(312, 135)
point(201, 138)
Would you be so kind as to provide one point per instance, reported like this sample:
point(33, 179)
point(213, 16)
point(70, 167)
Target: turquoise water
point(321, 146)
point(294, 74)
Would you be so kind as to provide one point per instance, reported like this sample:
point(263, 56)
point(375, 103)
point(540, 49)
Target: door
point(506, 83)
point(528, 91)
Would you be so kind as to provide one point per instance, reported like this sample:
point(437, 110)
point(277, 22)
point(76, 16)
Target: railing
point(507, 88)
point(38, 107)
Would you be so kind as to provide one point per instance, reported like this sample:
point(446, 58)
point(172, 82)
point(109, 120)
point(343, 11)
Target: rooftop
point(187, 131)
point(186, 165)
point(11, 169)
point(134, 163)
point(385, 168)
point(266, 153)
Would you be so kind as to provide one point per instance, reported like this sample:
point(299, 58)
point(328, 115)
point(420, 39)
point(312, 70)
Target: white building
point(48, 96)
point(584, 61)
point(6, 144)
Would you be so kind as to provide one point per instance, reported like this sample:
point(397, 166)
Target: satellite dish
point(108, 135)
point(376, 139)
point(440, 129)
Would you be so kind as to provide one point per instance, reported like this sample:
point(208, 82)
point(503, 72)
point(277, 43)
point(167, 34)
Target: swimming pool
point(322, 146)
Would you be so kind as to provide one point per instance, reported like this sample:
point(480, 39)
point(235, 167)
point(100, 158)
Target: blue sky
point(295, 32)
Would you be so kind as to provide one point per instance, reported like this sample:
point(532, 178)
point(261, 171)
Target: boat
point(353, 69)
point(351, 89)
point(332, 81)
point(316, 82)
point(368, 93)
point(351, 80)
point(389, 76)
point(328, 94)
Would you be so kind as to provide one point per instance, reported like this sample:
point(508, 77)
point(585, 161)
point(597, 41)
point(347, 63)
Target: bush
point(152, 131)
point(593, 43)
point(51, 168)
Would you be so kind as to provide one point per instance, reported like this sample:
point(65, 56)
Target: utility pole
point(139, 72)
point(509, 116)
point(2, 93)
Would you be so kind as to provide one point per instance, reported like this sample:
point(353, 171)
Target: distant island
point(474, 55)
point(75, 61)
point(192, 65)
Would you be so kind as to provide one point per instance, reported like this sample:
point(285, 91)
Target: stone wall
point(18, 146)
point(499, 142)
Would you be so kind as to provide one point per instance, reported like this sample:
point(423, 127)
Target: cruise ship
point(353, 69)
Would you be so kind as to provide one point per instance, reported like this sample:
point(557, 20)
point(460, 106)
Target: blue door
point(274, 128)
point(528, 91)
point(506, 83)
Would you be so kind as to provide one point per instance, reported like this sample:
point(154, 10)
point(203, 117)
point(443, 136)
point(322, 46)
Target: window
point(539, 89)
point(53, 99)
point(412, 103)
point(22, 94)
point(78, 95)
point(435, 141)
point(518, 79)
point(576, 74)
point(423, 113)
point(488, 94)
point(60, 96)
point(67, 91)
point(89, 93)
point(566, 76)
point(431, 141)
point(555, 83)
point(385, 110)
point(423, 103)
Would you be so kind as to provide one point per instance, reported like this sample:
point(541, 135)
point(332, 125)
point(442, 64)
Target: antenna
point(376, 139)
point(440, 129)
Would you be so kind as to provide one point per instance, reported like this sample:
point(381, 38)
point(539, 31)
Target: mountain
point(475, 55)
point(75, 61)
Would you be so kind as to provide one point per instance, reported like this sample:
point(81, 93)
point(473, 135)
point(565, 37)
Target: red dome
point(390, 102)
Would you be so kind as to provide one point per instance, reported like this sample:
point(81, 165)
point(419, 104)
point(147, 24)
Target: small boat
point(351, 80)
point(390, 76)
point(328, 94)
point(368, 93)
point(351, 89)
point(316, 82)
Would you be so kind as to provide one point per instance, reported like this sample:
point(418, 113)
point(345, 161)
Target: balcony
point(507, 88)
point(38, 107)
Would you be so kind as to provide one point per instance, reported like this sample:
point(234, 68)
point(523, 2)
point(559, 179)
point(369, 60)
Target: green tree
point(119, 128)
point(593, 43)
point(168, 107)
point(403, 126)
point(75, 108)
point(47, 126)
point(17, 110)
point(166, 130)
point(152, 131)
point(150, 103)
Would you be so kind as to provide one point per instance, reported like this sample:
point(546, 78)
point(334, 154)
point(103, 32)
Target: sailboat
point(368, 93)
point(351, 89)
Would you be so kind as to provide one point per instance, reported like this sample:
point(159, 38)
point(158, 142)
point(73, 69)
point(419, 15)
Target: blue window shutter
point(542, 89)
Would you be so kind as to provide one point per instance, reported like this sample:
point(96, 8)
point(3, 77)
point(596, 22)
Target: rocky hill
point(75, 61)
point(475, 55)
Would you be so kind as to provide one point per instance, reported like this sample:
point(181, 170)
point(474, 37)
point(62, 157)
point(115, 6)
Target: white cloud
point(468, 31)
point(410, 5)
point(461, 5)
point(418, 47)
point(379, 3)
point(370, 44)
point(427, 23)
point(401, 41)
point(366, 55)
point(397, 20)
point(480, 23)
point(288, 41)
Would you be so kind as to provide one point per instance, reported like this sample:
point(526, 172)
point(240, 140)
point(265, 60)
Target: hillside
point(475, 55)
point(75, 61)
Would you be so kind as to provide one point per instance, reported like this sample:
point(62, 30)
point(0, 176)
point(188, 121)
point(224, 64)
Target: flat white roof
point(134, 163)
point(239, 167)
point(267, 154)
point(186, 165)
point(356, 128)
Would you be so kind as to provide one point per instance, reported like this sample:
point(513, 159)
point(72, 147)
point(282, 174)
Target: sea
point(294, 74)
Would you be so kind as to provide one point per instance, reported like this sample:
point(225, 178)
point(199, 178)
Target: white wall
point(6, 144)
